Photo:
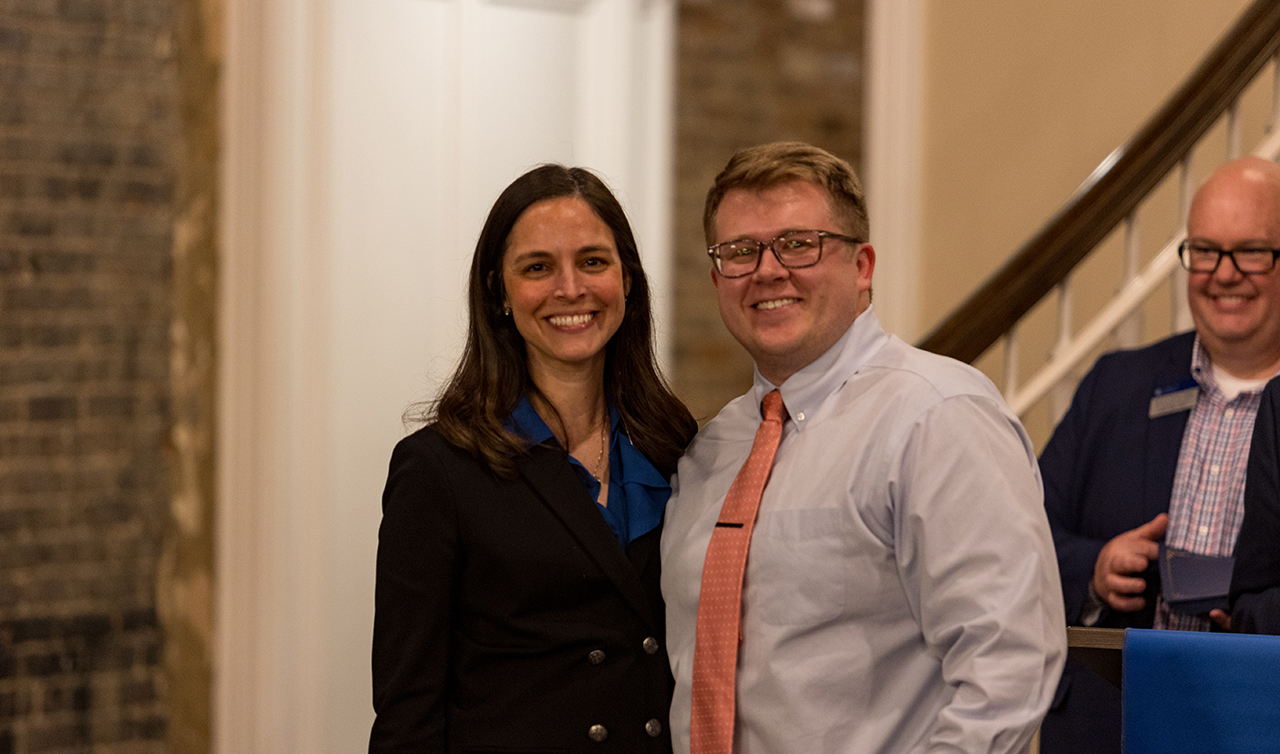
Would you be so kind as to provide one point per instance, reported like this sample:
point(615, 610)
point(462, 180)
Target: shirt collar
point(634, 467)
point(526, 422)
point(1202, 372)
point(804, 392)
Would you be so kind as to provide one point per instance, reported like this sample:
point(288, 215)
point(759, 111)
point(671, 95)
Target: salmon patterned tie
point(719, 628)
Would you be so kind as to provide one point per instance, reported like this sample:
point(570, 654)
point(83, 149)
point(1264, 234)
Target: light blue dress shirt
point(901, 590)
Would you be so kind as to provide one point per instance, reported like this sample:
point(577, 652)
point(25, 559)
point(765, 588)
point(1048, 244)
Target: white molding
point(627, 133)
point(605, 120)
point(271, 653)
point(893, 144)
point(654, 167)
point(572, 7)
point(236, 650)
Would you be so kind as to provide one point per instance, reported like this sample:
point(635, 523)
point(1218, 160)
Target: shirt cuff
point(1093, 608)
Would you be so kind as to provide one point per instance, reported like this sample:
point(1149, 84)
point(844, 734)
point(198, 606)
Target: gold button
point(653, 728)
point(597, 733)
point(650, 645)
point(595, 656)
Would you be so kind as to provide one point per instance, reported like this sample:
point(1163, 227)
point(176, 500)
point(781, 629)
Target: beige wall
point(1022, 101)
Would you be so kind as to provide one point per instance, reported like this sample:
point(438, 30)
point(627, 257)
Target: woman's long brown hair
point(493, 374)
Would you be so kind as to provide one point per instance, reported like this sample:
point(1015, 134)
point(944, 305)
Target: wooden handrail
point(1113, 190)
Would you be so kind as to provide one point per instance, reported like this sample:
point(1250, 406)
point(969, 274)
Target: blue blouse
point(638, 492)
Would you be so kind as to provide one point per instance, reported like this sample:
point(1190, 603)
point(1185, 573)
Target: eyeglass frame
point(1186, 265)
point(823, 235)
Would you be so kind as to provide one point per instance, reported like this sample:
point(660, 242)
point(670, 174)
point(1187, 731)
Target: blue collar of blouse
point(638, 492)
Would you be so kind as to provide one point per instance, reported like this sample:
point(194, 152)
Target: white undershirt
point(1231, 386)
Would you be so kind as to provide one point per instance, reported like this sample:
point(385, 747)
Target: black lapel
point(644, 548)
point(551, 477)
point(1164, 434)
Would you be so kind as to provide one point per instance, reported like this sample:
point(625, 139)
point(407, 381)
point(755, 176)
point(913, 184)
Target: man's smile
point(775, 303)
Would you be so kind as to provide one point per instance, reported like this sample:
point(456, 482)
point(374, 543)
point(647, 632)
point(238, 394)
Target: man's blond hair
point(768, 165)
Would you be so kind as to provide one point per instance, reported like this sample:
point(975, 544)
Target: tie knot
point(772, 407)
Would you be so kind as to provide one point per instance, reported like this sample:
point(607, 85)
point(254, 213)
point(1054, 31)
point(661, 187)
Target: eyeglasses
point(796, 249)
point(1197, 258)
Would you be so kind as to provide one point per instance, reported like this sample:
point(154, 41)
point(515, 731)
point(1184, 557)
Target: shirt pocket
point(795, 568)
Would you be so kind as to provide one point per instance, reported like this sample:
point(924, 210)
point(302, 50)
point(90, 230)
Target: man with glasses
point(1155, 444)
point(855, 557)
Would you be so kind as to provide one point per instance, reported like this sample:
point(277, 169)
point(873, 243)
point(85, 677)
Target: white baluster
point(1275, 94)
point(1233, 130)
point(1011, 361)
point(1060, 398)
point(1129, 333)
point(1184, 189)
point(1180, 312)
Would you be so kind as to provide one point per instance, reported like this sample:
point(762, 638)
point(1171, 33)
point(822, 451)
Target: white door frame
point(893, 142)
point(340, 295)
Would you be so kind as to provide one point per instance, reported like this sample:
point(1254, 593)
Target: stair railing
point(1111, 195)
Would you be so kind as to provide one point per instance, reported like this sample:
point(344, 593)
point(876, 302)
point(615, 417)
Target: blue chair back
point(1190, 692)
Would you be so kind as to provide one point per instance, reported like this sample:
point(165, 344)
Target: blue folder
point(1187, 691)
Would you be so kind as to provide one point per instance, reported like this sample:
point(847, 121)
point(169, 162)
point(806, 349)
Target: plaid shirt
point(1208, 487)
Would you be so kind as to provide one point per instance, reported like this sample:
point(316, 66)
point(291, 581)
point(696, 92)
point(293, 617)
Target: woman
point(517, 602)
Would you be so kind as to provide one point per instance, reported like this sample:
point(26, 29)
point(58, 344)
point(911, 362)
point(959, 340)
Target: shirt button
point(1213, 469)
point(650, 645)
point(653, 728)
point(595, 656)
point(597, 733)
point(1204, 530)
point(800, 416)
point(1229, 413)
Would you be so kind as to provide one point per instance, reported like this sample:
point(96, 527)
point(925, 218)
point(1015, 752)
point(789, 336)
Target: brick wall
point(88, 129)
point(749, 71)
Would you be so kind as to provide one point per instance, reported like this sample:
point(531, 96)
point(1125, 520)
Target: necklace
point(604, 437)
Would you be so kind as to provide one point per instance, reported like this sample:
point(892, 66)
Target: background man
point(899, 588)
point(1156, 441)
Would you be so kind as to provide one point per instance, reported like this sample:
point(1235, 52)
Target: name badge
point(1173, 399)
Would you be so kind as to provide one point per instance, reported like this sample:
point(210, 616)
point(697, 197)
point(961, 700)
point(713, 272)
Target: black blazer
point(1108, 468)
point(508, 617)
point(1255, 582)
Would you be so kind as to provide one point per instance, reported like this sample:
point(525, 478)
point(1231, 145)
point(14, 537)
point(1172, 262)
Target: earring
point(506, 311)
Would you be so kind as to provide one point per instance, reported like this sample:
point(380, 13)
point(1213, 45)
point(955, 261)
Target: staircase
point(1112, 199)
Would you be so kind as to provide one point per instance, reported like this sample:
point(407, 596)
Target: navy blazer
point(1255, 583)
point(1109, 467)
point(508, 617)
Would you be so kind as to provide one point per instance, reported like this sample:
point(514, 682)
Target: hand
point(1222, 618)
point(1127, 554)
